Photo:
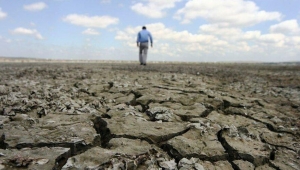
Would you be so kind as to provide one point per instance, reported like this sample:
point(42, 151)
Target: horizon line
point(27, 59)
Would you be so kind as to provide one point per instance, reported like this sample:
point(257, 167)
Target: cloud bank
point(2, 14)
point(25, 31)
point(91, 21)
point(154, 8)
point(225, 12)
point(35, 6)
point(90, 31)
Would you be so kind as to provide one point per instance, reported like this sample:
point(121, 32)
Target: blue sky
point(183, 30)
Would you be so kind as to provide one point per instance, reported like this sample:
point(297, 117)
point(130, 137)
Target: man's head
point(144, 27)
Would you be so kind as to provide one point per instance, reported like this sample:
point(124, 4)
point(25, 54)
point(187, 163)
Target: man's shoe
point(145, 64)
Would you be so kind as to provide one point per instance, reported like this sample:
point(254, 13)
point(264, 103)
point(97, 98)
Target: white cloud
point(35, 6)
point(274, 39)
point(24, 31)
point(235, 36)
point(286, 27)
point(214, 43)
point(2, 14)
point(225, 13)
point(154, 8)
point(93, 21)
point(170, 43)
point(90, 31)
point(250, 35)
point(294, 41)
point(160, 32)
point(271, 39)
point(215, 29)
point(121, 35)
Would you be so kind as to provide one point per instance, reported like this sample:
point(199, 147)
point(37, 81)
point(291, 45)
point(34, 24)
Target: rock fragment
point(244, 165)
point(195, 143)
point(286, 159)
point(35, 158)
point(153, 132)
point(162, 113)
point(122, 153)
point(281, 140)
point(74, 132)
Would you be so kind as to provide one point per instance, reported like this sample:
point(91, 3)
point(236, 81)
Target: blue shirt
point(143, 36)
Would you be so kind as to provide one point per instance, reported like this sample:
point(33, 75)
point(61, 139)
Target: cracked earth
point(159, 116)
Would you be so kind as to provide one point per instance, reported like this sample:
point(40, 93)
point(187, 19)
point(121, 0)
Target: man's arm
point(138, 39)
point(151, 40)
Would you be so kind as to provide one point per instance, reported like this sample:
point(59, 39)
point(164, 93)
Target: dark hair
point(144, 27)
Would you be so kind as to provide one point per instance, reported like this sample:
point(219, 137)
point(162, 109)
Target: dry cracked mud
point(160, 116)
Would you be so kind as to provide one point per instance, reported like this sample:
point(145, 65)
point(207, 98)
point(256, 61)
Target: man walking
point(142, 43)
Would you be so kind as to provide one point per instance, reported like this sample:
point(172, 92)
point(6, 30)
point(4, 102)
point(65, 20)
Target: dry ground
point(163, 115)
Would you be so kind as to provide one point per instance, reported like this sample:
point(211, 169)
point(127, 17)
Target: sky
point(183, 30)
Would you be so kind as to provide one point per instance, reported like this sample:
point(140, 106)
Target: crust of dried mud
point(160, 116)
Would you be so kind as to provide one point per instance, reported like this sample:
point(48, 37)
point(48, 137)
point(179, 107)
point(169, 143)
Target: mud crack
point(234, 154)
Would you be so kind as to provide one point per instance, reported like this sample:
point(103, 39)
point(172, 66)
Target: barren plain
point(212, 116)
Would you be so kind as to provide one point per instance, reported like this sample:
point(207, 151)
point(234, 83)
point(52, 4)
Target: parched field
point(160, 116)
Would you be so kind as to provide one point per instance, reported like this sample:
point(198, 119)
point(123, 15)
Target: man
point(142, 42)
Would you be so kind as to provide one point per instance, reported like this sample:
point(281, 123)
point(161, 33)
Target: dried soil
point(163, 115)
